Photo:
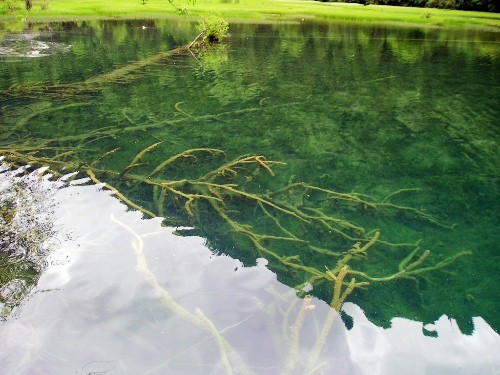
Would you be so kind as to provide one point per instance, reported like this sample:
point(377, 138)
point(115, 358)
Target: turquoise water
point(404, 117)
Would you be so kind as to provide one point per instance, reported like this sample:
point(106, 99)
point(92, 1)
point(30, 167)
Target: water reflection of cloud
point(404, 349)
point(101, 314)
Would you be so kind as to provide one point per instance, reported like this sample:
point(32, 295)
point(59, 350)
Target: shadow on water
point(402, 120)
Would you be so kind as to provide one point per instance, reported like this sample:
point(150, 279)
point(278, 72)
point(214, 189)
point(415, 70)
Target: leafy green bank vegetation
point(257, 10)
point(478, 5)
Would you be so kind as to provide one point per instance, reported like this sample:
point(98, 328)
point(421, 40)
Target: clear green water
point(369, 110)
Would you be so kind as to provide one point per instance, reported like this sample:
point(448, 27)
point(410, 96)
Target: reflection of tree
point(213, 57)
point(231, 84)
point(112, 44)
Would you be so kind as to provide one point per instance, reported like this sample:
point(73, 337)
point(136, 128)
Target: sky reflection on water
point(98, 308)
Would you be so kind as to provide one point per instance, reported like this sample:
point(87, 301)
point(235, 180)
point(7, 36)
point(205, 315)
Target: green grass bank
point(247, 10)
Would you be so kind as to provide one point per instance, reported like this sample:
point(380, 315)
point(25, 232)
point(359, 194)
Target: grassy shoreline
point(254, 11)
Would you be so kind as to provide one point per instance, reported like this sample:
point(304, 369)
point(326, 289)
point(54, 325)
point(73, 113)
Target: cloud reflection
point(206, 314)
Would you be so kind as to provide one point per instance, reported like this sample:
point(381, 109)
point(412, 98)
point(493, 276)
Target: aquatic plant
point(309, 231)
point(224, 193)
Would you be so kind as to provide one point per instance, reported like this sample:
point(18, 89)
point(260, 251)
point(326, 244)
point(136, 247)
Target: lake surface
point(389, 136)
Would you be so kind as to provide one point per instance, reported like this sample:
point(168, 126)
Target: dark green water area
point(380, 130)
